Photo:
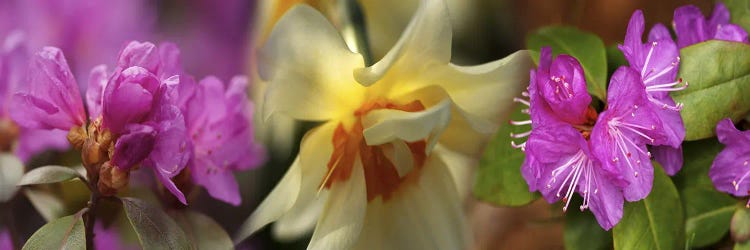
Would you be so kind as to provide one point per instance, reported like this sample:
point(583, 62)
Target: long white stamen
point(648, 59)
point(662, 72)
point(522, 101)
point(521, 135)
point(668, 87)
point(518, 123)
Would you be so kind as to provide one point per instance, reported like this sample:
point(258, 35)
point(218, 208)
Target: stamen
point(676, 107)
point(648, 58)
point(668, 87)
point(522, 101)
point(518, 123)
point(521, 135)
point(662, 72)
point(522, 146)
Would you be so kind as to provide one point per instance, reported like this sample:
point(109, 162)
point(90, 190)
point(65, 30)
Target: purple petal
point(128, 98)
point(659, 32)
point(219, 183)
point(166, 181)
point(606, 202)
point(171, 152)
point(729, 135)
point(170, 60)
point(565, 90)
point(633, 36)
point(51, 100)
point(34, 141)
point(690, 25)
point(673, 127)
point(731, 32)
point(669, 157)
point(134, 145)
point(97, 82)
point(551, 147)
point(720, 15)
point(144, 55)
point(14, 62)
point(109, 238)
point(730, 169)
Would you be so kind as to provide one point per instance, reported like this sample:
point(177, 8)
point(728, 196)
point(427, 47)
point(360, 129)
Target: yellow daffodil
point(373, 175)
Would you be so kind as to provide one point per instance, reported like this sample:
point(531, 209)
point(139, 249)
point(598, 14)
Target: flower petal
point(606, 202)
point(310, 80)
point(731, 32)
point(424, 215)
point(669, 157)
point(34, 141)
point(426, 42)
point(340, 224)
point(134, 145)
point(300, 219)
point(97, 82)
point(221, 185)
point(386, 125)
point(142, 54)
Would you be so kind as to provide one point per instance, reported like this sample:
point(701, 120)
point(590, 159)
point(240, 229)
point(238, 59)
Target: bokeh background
point(218, 38)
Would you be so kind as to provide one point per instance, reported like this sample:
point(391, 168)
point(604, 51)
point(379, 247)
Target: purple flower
point(14, 60)
point(692, 27)
point(658, 60)
point(51, 100)
point(6, 243)
point(730, 169)
point(110, 238)
point(566, 165)
point(561, 87)
point(623, 130)
point(218, 121)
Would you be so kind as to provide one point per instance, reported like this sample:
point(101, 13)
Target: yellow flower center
point(381, 176)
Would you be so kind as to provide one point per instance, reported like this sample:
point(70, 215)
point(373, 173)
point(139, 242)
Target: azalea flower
point(218, 121)
point(374, 172)
point(133, 120)
point(692, 27)
point(24, 142)
point(730, 170)
point(559, 157)
point(658, 60)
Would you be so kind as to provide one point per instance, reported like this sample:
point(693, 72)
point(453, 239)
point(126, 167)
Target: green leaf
point(615, 59)
point(155, 229)
point(499, 179)
point(742, 246)
point(49, 174)
point(707, 215)
point(698, 156)
point(583, 232)
point(740, 225)
point(584, 46)
point(718, 73)
point(48, 205)
point(64, 233)
point(655, 222)
point(739, 12)
point(11, 171)
point(203, 231)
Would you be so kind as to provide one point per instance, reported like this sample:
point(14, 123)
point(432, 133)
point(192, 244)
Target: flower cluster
point(692, 27)
point(604, 156)
point(141, 113)
point(730, 170)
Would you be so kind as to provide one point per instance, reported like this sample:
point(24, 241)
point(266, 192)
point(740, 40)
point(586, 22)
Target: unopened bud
point(76, 137)
point(112, 179)
point(8, 134)
point(92, 155)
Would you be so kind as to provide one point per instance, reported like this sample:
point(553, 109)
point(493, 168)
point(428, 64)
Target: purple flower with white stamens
point(623, 130)
point(731, 168)
point(692, 27)
point(658, 60)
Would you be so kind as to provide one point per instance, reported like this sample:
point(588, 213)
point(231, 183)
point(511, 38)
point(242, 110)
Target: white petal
point(280, 200)
point(386, 125)
point(308, 68)
point(427, 215)
point(400, 155)
point(315, 152)
point(461, 167)
point(340, 224)
point(426, 41)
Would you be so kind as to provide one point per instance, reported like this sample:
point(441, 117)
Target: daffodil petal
point(308, 68)
point(386, 125)
point(424, 216)
point(278, 202)
point(343, 216)
point(462, 167)
point(315, 150)
point(425, 42)
point(401, 156)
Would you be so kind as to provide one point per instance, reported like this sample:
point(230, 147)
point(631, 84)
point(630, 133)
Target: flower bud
point(112, 179)
point(76, 137)
point(92, 155)
point(8, 134)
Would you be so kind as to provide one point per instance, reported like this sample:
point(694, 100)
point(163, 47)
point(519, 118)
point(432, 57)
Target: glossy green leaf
point(49, 174)
point(707, 215)
point(584, 46)
point(740, 225)
point(155, 229)
point(707, 211)
point(11, 171)
point(655, 222)
point(718, 73)
point(499, 179)
point(583, 232)
point(64, 233)
point(739, 11)
point(203, 231)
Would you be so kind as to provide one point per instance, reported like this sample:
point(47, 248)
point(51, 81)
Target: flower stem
point(91, 218)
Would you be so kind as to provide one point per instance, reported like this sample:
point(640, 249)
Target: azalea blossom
point(24, 142)
point(729, 171)
point(658, 60)
point(218, 120)
point(692, 27)
point(133, 120)
point(374, 174)
point(559, 157)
